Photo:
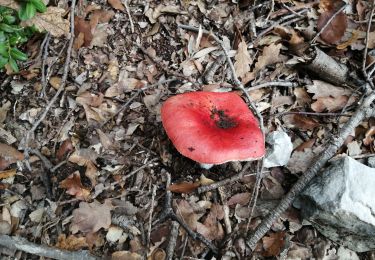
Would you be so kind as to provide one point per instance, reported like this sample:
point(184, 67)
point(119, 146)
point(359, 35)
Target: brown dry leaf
point(302, 97)
point(10, 4)
point(82, 31)
point(83, 159)
point(71, 243)
point(305, 145)
point(371, 40)
point(55, 82)
point(331, 104)
point(100, 36)
point(113, 69)
point(51, 21)
point(297, 162)
point(90, 99)
point(90, 217)
point(65, 148)
point(4, 111)
point(352, 40)
point(100, 16)
point(330, 5)
point(183, 187)
point(211, 227)
point(116, 4)
point(329, 97)
point(74, 186)
point(273, 244)
point(8, 173)
point(243, 60)
point(324, 89)
point(186, 212)
point(9, 155)
point(296, 42)
point(270, 55)
point(300, 122)
point(239, 198)
point(104, 139)
point(335, 30)
point(369, 136)
point(125, 255)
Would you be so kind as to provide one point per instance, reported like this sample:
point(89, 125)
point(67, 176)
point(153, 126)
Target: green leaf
point(7, 28)
point(13, 65)
point(2, 36)
point(9, 19)
point(3, 49)
point(30, 10)
point(3, 61)
point(22, 12)
point(18, 55)
point(27, 11)
point(39, 5)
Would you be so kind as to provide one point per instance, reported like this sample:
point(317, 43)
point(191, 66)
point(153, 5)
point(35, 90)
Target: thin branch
point(19, 243)
point(362, 112)
point(273, 84)
point(224, 182)
point(129, 14)
point(151, 212)
point(62, 84)
point(172, 240)
point(367, 39)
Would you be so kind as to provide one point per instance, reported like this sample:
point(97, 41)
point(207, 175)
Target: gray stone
point(340, 204)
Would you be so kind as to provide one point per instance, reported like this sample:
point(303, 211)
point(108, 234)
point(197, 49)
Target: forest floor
point(88, 170)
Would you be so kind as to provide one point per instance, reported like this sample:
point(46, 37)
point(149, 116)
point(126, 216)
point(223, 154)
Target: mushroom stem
point(206, 166)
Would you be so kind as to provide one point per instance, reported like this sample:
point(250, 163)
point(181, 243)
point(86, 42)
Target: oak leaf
point(74, 186)
point(243, 60)
point(90, 217)
point(51, 21)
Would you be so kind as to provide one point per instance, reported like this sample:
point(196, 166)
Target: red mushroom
point(212, 128)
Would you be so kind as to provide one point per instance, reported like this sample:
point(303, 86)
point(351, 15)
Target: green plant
point(13, 35)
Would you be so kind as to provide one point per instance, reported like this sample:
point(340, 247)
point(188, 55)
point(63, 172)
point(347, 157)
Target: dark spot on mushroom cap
point(191, 149)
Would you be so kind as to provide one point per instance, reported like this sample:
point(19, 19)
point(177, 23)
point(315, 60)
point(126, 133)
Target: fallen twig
point(168, 213)
point(60, 89)
point(363, 111)
point(273, 84)
point(172, 240)
point(18, 243)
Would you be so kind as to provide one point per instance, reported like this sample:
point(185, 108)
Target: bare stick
point(151, 212)
point(221, 183)
point(172, 240)
point(168, 213)
point(18, 243)
point(367, 38)
point(335, 142)
point(273, 84)
point(129, 14)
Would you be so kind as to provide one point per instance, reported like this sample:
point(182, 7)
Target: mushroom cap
point(212, 127)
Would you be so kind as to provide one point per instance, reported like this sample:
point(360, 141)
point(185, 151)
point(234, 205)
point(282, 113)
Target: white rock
point(340, 203)
point(281, 148)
